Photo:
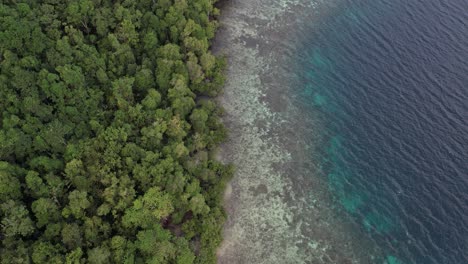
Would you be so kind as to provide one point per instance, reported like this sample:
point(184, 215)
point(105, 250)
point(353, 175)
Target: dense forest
point(109, 131)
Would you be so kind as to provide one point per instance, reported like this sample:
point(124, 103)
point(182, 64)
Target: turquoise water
point(389, 81)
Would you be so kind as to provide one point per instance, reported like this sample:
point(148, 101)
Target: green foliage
point(148, 210)
point(99, 255)
point(15, 219)
point(78, 202)
point(46, 211)
point(10, 187)
point(105, 139)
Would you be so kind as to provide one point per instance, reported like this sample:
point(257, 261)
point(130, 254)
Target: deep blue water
point(389, 80)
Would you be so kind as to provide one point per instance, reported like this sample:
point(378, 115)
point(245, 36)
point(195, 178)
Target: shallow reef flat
point(279, 207)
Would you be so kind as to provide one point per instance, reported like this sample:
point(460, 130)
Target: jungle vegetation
point(108, 132)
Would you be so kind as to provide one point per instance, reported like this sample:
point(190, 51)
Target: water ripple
point(390, 78)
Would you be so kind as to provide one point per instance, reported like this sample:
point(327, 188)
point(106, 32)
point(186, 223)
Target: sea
point(389, 81)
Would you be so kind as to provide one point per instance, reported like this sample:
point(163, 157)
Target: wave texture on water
point(389, 79)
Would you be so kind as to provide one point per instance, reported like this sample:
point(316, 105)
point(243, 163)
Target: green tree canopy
point(107, 131)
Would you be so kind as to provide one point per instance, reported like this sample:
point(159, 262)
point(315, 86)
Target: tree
point(148, 210)
point(99, 255)
point(198, 205)
point(123, 251)
point(74, 257)
point(15, 220)
point(71, 236)
point(9, 186)
point(45, 252)
point(46, 211)
point(152, 99)
point(199, 117)
point(77, 204)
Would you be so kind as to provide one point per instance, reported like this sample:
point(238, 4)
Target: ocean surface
point(389, 81)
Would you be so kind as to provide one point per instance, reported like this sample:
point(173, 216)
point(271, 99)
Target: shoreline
point(279, 208)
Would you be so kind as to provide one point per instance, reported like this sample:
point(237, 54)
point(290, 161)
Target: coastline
point(279, 208)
